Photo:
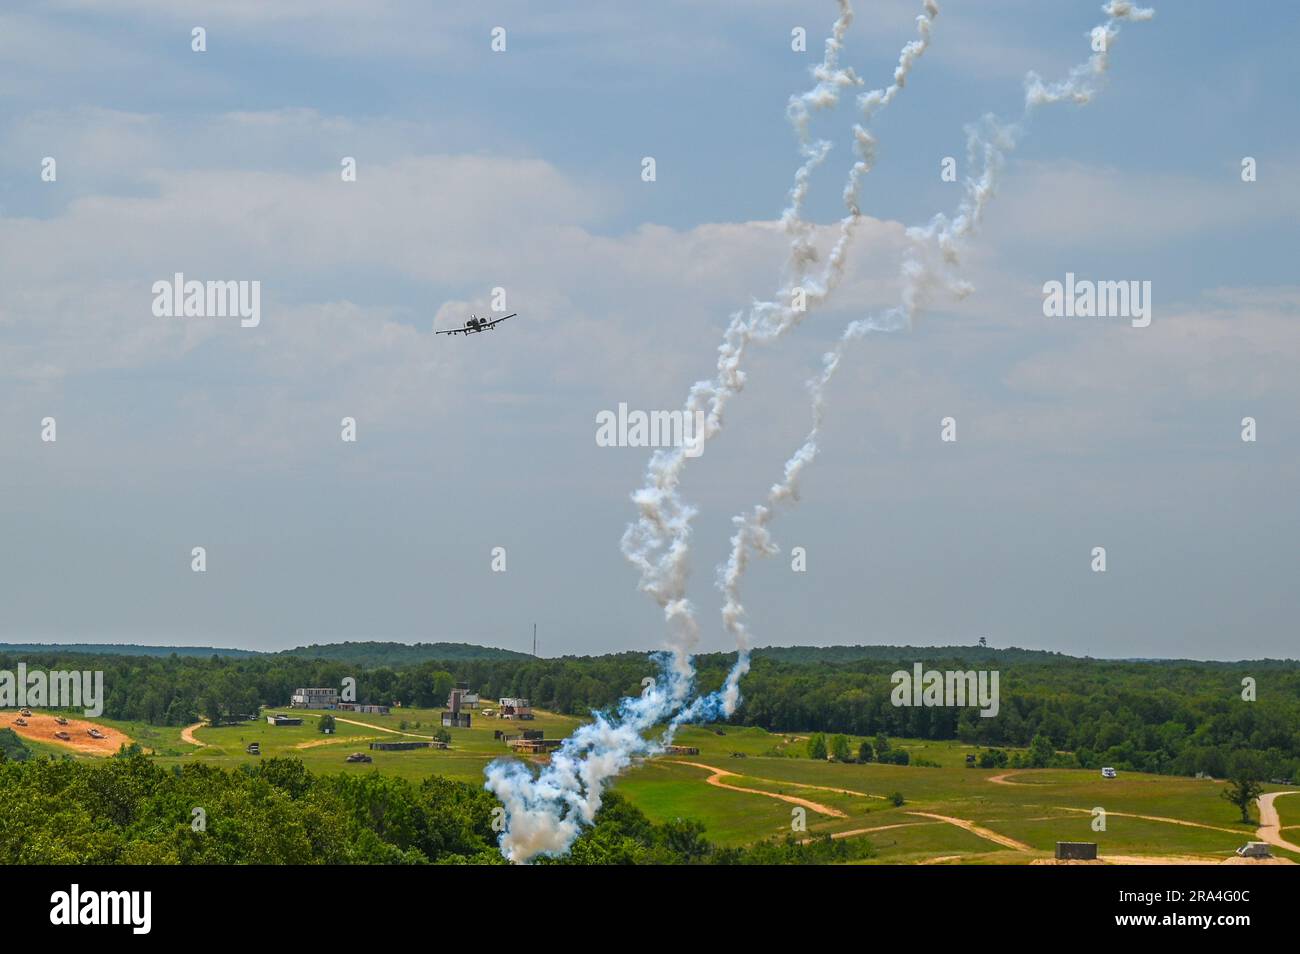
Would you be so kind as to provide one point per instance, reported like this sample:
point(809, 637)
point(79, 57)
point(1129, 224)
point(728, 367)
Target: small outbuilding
point(1076, 851)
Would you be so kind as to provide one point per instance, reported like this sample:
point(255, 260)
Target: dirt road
point(1005, 779)
point(974, 829)
point(854, 832)
point(367, 725)
point(352, 739)
point(719, 774)
point(1270, 824)
point(1159, 818)
point(782, 781)
point(187, 734)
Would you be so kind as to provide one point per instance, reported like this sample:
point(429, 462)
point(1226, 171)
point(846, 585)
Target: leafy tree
point(439, 689)
point(896, 799)
point(288, 775)
point(865, 753)
point(685, 840)
point(212, 708)
point(993, 758)
point(1041, 752)
point(840, 748)
point(817, 746)
point(1244, 783)
point(12, 747)
point(325, 723)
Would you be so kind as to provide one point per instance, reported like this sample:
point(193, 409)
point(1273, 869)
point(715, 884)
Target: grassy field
point(160, 739)
point(469, 752)
point(1035, 808)
point(747, 784)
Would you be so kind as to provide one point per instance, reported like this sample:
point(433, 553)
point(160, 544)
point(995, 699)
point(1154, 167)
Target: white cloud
point(1070, 202)
point(354, 278)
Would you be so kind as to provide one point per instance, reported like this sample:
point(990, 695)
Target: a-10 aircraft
point(475, 325)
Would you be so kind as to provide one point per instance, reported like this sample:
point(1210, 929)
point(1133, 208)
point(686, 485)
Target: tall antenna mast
point(534, 639)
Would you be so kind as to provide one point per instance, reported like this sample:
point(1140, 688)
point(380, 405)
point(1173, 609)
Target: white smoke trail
point(658, 542)
point(751, 534)
point(544, 814)
point(987, 148)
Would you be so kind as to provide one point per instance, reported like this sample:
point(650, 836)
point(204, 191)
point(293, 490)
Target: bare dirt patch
point(1067, 861)
point(1234, 860)
point(41, 728)
point(1160, 860)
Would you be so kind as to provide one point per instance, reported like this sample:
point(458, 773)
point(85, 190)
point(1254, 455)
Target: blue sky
point(521, 169)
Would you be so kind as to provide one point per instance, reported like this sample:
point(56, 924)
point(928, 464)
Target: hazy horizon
point(636, 650)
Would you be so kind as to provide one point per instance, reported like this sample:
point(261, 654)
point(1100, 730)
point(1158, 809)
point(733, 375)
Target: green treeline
point(128, 810)
point(1164, 717)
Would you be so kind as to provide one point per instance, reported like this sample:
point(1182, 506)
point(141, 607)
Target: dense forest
point(128, 810)
point(397, 655)
point(120, 649)
point(360, 653)
point(1178, 717)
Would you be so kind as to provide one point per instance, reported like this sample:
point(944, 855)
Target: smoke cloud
point(546, 812)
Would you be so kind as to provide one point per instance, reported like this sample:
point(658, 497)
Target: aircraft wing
point(451, 331)
point(497, 321)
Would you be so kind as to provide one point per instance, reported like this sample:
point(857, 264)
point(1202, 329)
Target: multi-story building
point(315, 699)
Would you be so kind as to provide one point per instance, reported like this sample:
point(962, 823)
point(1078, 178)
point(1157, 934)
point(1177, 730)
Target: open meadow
point(469, 751)
point(746, 784)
